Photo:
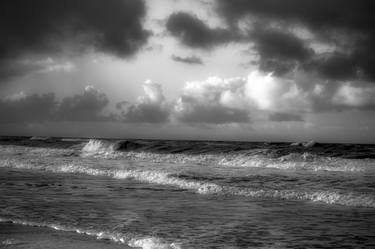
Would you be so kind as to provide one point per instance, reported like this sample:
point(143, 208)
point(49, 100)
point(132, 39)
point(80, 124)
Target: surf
point(331, 197)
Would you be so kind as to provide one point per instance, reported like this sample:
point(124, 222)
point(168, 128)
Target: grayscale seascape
point(187, 124)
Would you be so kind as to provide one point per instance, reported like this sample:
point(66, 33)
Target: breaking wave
point(203, 187)
point(254, 158)
point(130, 240)
point(98, 148)
point(336, 158)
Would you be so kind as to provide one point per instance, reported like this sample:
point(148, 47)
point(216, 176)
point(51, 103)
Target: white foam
point(152, 243)
point(132, 241)
point(201, 187)
point(296, 161)
point(100, 148)
point(163, 178)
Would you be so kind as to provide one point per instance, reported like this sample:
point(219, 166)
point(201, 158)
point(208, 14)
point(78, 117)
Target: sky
point(260, 70)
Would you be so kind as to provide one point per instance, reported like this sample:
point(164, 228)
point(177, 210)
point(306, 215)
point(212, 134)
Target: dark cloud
point(146, 113)
point(33, 108)
point(46, 108)
point(52, 26)
point(338, 66)
point(89, 106)
point(347, 25)
point(349, 29)
point(344, 66)
point(318, 14)
point(284, 117)
point(193, 32)
point(279, 51)
point(276, 44)
point(111, 26)
point(83, 107)
point(188, 60)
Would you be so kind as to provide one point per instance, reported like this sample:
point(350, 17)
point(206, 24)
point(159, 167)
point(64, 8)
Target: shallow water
point(262, 196)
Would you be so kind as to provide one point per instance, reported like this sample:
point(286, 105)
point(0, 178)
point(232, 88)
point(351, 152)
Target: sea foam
point(145, 242)
point(202, 187)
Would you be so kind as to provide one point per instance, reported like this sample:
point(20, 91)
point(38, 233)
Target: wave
point(98, 148)
point(257, 158)
point(122, 238)
point(228, 154)
point(202, 187)
point(272, 150)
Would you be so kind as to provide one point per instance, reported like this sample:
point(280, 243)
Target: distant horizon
point(300, 142)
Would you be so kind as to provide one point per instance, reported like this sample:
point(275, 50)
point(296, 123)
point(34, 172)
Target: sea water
point(81, 193)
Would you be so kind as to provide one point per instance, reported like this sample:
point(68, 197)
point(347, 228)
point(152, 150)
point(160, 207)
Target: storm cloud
point(275, 31)
point(348, 26)
point(193, 32)
point(33, 108)
point(22, 108)
point(317, 14)
point(279, 51)
point(83, 107)
point(48, 27)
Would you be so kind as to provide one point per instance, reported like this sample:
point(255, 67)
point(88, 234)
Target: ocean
point(107, 193)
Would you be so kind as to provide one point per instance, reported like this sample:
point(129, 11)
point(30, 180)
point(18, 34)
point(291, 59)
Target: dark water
point(184, 194)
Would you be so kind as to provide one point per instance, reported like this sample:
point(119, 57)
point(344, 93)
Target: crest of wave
point(96, 147)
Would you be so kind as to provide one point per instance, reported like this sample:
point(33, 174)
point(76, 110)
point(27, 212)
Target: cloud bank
point(214, 101)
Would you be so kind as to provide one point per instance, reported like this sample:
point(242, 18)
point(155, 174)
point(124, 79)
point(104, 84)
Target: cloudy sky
point(258, 70)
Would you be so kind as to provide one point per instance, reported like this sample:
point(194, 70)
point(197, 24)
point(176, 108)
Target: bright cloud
point(151, 108)
point(355, 96)
point(215, 100)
